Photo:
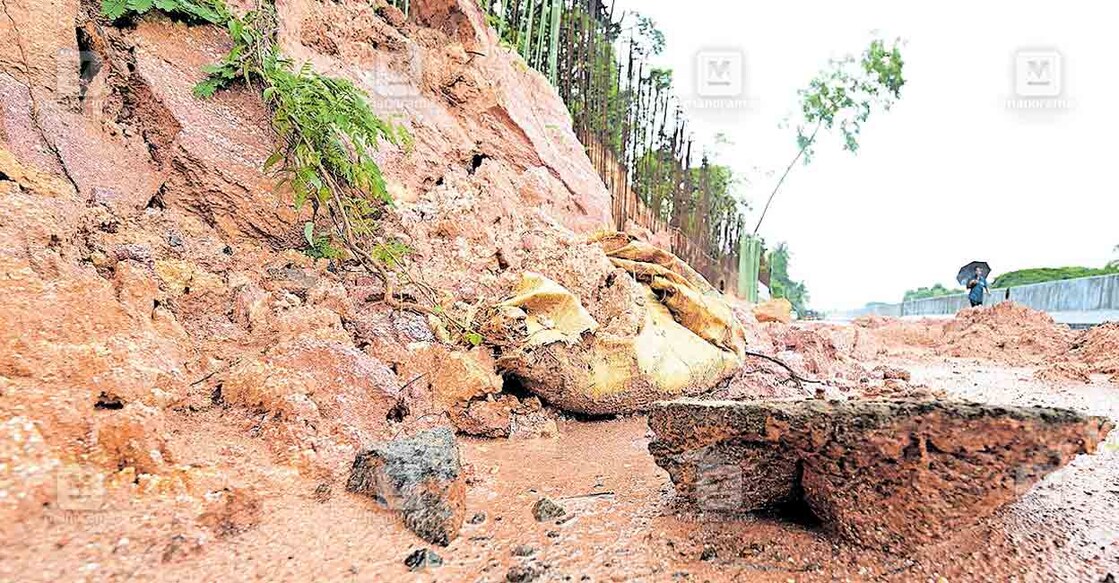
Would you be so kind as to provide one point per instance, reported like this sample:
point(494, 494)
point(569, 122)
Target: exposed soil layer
point(889, 474)
point(624, 522)
point(183, 392)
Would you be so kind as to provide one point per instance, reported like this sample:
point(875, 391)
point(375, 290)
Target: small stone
point(523, 574)
point(423, 559)
point(709, 553)
point(523, 551)
point(231, 511)
point(546, 509)
point(478, 518)
point(892, 373)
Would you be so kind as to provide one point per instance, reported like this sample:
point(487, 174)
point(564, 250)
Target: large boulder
point(884, 474)
point(421, 478)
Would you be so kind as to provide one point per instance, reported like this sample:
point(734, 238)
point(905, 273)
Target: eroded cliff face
point(151, 288)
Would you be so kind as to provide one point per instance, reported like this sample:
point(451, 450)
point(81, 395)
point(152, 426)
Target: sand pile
point(900, 337)
point(1099, 348)
point(1063, 372)
point(1006, 332)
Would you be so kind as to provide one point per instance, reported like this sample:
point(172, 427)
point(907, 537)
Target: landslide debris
point(1098, 347)
point(1006, 332)
point(890, 474)
point(687, 337)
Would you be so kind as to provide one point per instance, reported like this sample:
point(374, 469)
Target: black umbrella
point(967, 272)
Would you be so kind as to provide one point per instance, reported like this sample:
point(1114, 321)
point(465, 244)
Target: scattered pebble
point(423, 559)
point(546, 509)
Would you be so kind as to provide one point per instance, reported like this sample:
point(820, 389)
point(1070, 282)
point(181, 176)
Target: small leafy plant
point(327, 134)
point(319, 246)
point(205, 10)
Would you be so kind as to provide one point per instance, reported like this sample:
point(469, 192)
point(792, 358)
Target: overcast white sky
point(952, 173)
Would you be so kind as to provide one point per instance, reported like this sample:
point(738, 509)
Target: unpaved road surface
point(622, 521)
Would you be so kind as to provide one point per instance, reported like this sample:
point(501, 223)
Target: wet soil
point(622, 522)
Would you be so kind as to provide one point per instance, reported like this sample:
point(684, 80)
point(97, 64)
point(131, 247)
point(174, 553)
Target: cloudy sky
point(953, 173)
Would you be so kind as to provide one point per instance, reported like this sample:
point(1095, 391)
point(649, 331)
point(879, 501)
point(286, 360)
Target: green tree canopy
point(1044, 274)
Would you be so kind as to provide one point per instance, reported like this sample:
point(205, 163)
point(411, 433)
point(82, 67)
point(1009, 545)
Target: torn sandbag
point(693, 302)
point(550, 312)
point(687, 342)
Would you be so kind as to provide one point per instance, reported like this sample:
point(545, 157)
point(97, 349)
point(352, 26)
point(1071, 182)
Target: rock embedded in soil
point(522, 551)
point(231, 511)
point(420, 477)
point(423, 559)
point(894, 474)
point(892, 373)
point(546, 509)
point(523, 573)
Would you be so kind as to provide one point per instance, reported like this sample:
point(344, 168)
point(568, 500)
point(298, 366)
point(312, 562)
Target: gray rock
point(421, 478)
point(523, 551)
point(523, 573)
point(545, 509)
point(423, 559)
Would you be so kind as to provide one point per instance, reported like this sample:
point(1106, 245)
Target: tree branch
point(811, 140)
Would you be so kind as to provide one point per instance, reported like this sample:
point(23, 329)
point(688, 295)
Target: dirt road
point(622, 523)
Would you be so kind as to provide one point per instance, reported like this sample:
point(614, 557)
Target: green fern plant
point(205, 10)
point(326, 129)
point(327, 134)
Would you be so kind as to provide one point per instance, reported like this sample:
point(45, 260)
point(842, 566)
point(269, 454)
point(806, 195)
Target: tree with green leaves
point(841, 98)
point(783, 286)
point(936, 291)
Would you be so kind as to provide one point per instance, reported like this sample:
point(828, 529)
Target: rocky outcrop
point(885, 474)
point(421, 478)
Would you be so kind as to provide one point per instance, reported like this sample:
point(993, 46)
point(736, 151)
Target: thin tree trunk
point(800, 153)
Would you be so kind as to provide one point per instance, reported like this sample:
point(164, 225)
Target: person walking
point(977, 288)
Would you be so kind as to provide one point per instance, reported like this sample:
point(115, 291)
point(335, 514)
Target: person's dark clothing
point(975, 296)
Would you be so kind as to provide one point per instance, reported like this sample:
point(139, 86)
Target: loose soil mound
point(894, 336)
point(1063, 372)
point(1006, 332)
point(1099, 348)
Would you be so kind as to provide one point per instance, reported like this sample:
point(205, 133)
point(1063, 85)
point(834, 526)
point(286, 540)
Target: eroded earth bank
point(186, 393)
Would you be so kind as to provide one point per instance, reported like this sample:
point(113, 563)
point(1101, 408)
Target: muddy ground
point(622, 521)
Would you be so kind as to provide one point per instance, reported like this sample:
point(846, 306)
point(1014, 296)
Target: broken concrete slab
point(421, 478)
point(892, 474)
